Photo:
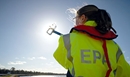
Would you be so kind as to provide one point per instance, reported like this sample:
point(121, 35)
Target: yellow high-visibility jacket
point(83, 54)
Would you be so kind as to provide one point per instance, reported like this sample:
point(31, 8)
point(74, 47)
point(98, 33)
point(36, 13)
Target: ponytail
point(103, 21)
point(100, 16)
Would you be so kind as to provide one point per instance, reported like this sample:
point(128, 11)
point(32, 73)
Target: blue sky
point(24, 43)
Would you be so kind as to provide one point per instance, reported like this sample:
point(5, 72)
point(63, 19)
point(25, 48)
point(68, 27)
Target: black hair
point(100, 16)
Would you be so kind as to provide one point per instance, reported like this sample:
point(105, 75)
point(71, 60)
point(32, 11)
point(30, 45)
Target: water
point(46, 76)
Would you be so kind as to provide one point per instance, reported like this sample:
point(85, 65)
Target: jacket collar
point(89, 28)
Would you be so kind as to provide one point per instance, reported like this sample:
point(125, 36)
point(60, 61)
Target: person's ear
point(83, 18)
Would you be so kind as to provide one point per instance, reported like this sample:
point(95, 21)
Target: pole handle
point(50, 31)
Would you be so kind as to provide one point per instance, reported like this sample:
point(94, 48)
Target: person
point(89, 49)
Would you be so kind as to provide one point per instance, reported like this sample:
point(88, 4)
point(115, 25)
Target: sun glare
point(43, 28)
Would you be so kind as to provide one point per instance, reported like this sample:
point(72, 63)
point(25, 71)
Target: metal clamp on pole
point(52, 30)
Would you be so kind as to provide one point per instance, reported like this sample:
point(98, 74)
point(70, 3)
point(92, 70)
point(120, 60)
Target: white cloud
point(17, 63)
point(23, 57)
point(16, 58)
point(1, 66)
point(123, 51)
point(129, 61)
point(50, 64)
point(31, 58)
point(43, 58)
point(127, 57)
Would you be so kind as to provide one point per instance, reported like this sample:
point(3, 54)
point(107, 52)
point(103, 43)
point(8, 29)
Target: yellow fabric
point(123, 68)
point(90, 23)
point(88, 57)
point(61, 51)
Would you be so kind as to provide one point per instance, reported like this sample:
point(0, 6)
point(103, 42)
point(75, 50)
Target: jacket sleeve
point(61, 54)
point(123, 68)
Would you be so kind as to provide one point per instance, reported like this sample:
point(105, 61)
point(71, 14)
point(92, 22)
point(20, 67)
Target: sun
point(44, 31)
